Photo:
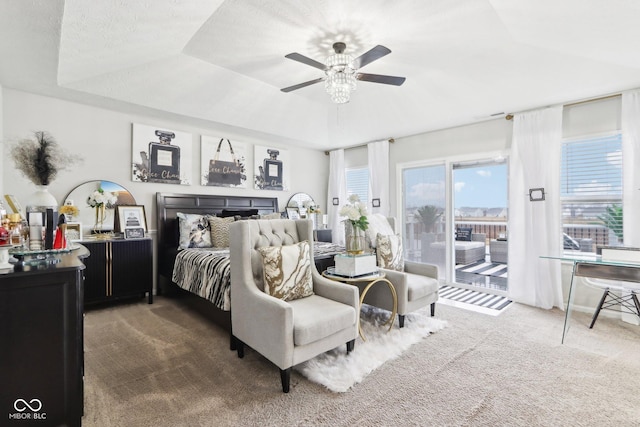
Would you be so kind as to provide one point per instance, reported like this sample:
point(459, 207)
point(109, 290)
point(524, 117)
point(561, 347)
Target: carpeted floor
point(339, 371)
point(163, 365)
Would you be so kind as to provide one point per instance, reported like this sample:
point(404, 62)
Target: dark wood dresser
point(41, 336)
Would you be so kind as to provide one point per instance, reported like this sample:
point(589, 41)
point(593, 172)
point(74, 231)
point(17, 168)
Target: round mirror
point(78, 197)
point(300, 201)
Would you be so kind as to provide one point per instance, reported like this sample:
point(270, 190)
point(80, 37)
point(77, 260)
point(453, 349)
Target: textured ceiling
point(222, 62)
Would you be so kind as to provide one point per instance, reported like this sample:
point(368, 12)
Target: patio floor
point(483, 274)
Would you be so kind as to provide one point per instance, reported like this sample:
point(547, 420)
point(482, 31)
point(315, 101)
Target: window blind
point(592, 168)
point(591, 191)
point(358, 183)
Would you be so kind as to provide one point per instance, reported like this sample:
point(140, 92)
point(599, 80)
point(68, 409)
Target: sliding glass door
point(424, 219)
point(480, 223)
point(455, 216)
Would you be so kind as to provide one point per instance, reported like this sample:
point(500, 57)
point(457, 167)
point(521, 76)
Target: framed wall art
point(161, 155)
point(270, 168)
point(223, 162)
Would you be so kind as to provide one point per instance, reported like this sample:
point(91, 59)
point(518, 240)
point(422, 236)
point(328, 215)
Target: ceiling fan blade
point(306, 60)
point(377, 78)
point(370, 56)
point(301, 85)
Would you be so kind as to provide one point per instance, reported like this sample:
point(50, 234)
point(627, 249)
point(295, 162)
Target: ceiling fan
point(341, 71)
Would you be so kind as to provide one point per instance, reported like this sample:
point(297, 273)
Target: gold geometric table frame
point(378, 278)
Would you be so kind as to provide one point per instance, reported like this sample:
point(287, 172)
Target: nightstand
point(322, 235)
point(118, 268)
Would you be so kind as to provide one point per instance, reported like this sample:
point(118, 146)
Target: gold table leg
point(395, 304)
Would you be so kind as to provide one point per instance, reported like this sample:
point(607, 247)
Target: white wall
point(103, 138)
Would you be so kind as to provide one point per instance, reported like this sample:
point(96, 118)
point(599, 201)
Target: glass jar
point(15, 234)
point(24, 228)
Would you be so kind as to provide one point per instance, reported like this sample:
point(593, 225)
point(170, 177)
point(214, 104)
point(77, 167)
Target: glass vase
point(355, 241)
point(101, 214)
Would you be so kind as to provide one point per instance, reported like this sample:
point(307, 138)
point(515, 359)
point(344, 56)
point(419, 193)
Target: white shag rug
point(339, 372)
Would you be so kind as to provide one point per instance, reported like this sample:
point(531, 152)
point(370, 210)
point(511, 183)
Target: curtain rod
point(571, 104)
point(391, 140)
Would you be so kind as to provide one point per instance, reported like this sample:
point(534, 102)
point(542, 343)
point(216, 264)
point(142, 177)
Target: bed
point(201, 276)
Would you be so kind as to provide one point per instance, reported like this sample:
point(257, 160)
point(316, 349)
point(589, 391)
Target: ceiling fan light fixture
point(341, 77)
point(341, 72)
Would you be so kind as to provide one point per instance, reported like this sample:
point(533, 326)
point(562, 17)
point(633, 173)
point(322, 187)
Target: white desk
point(593, 266)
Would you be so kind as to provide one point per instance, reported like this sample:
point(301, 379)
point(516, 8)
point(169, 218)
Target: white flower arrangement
point(101, 197)
point(356, 212)
point(311, 206)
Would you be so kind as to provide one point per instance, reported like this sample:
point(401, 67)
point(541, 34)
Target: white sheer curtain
point(630, 165)
point(337, 190)
point(535, 228)
point(630, 177)
point(378, 154)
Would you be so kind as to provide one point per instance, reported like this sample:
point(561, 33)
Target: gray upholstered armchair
point(417, 287)
point(285, 332)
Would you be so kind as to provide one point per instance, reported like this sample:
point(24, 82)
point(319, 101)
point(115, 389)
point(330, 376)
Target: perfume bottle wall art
point(161, 155)
point(164, 159)
point(270, 172)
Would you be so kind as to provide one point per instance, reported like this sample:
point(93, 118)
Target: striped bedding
point(206, 272)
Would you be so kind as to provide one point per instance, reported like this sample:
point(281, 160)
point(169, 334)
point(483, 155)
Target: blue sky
point(482, 186)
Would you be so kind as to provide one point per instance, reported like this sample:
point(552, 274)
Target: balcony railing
point(587, 235)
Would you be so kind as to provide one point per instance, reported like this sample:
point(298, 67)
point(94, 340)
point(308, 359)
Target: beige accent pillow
point(275, 215)
point(389, 252)
point(287, 271)
point(220, 231)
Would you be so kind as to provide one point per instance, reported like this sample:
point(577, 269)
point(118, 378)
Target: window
point(358, 183)
point(591, 192)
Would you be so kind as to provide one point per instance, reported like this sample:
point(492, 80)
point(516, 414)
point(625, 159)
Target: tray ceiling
point(222, 64)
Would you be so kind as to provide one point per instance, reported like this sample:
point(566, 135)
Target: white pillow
point(378, 224)
point(287, 271)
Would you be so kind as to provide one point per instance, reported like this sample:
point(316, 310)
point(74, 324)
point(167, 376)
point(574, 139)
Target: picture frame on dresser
point(134, 233)
point(130, 217)
point(73, 232)
point(293, 213)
